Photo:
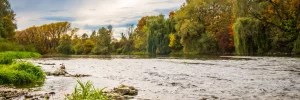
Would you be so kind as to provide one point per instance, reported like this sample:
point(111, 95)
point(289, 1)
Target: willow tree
point(250, 37)
point(280, 19)
point(158, 35)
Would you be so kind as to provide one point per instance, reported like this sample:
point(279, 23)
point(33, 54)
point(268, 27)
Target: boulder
point(122, 92)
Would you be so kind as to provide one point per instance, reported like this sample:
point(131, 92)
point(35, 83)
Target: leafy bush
point(21, 73)
point(86, 91)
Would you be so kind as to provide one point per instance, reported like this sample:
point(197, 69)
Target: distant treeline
point(243, 27)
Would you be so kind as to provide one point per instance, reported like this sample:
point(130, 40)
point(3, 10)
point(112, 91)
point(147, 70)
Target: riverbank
point(14, 72)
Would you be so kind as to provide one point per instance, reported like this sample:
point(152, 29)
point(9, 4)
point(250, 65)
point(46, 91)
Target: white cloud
point(90, 15)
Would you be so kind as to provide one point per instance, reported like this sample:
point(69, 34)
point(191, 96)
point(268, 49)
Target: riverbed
point(234, 77)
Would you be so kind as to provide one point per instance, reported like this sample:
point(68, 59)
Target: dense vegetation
point(12, 72)
point(243, 27)
point(21, 73)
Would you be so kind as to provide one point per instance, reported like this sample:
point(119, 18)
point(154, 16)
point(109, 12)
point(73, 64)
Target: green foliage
point(88, 46)
point(103, 41)
point(249, 37)
point(65, 44)
point(21, 73)
point(207, 45)
point(199, 26)
point(77, 47)
point(86, 91)
point(7, 20)
point(158, 36)
point(8, 57)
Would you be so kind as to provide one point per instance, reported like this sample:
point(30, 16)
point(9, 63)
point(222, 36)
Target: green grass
point(86, 91)
point(21, 73)
point(17, 73)
point(9, 57)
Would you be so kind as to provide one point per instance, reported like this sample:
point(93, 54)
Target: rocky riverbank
point(122, 92)
point(7, 93)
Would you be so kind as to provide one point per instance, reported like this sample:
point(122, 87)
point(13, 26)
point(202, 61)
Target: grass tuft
point(86, 91)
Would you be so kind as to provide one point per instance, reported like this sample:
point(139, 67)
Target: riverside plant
point(86, 91)
point(21, 73)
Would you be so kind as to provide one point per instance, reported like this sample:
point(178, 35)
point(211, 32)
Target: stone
point(122, 91)
point(128, 97)
point(28, 96)
point(52, 93)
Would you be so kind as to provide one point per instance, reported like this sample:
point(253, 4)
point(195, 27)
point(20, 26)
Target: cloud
point(96, 27)
point(58, 10)
point(59, 18)
point(90, 15)
point(165, 11)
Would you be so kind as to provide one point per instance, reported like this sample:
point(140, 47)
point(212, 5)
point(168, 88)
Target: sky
point(89, 15)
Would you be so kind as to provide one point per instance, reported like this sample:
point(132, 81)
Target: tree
point(103, 41)
point(199, 17)
point(44, 38)
point(174, 38)
point(158, 35)
point(7, 20)
point(77, 45)
point(140, 41)
point(88, 46)
point(65, 44)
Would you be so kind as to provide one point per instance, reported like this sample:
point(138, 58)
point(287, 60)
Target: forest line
point(243, 27)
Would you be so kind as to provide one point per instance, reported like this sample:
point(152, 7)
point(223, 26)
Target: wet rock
point(62, 72)
point(122, 92)
point(128, 97)
point(175, 84)
point(52, 93)
point(59, 72)
point(10, 93)
point(214, 97)
point(28, 96)
point(47, 63)
point(46, 96)
point(62, 66)
point(116, 96)
point(80, 75)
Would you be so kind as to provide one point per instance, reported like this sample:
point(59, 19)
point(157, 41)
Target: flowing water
point(183, 79)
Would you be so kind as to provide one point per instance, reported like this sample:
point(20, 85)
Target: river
point(166, 78)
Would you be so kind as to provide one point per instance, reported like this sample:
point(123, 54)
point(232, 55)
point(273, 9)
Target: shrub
point(21, 73)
